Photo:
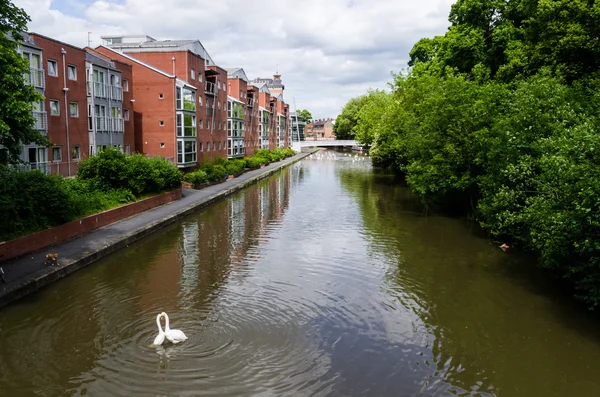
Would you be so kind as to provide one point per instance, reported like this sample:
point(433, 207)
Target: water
point(325, 280)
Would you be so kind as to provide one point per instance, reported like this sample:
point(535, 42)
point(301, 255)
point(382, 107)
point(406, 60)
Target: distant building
point(321, 128)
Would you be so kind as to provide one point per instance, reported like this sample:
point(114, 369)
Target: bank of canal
point(29, 273)
point(325, 279)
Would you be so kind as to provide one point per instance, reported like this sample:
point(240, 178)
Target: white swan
point(173, 335)
point(160, 338)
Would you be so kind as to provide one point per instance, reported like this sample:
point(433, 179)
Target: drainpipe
point(173, 60)
point(66, 90)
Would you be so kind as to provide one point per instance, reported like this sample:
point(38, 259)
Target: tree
point(345, 123)
point(16, 96)
point(305, 115)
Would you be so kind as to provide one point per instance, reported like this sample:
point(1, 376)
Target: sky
point(327, 51)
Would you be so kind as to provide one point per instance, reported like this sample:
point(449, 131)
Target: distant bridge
point(327, 142)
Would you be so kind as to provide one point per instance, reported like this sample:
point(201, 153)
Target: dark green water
point(324, 280)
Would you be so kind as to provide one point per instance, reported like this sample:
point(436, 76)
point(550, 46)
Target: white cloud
point(326, 50)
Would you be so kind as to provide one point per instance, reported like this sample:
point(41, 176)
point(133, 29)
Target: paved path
point(28, 274)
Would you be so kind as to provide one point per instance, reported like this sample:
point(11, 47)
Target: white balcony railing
point(41, 120)
point(100, 90)
point(116, 93)
point(35, 77)
point(110, 124)
point(117, 124)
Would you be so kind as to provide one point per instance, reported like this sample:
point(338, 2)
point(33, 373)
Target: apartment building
point(105, 108)
point(66, 103)
point(242, 115)
point(35, 156)
point(193, 116)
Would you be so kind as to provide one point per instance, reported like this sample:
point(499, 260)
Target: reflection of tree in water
point(423, 254)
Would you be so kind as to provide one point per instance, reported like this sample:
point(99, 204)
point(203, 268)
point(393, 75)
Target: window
point(125, 85)
point(219, 105)
point(200, 123)
point(161, 96)
point(57, 153)
point(128, 149)
point(76, 152)
point(72, 72)
point(214, 145)
point(126, 114)
point(200, 100)
point(219, 145)
point(199, 146)
point(193, 74)
point(207, 146)
point(162, 145)
point(52, 68)
point(219, 84)
point(54, 108)
point(200, 77)
point(73, 109)
point(161, 123)
point(189, 100)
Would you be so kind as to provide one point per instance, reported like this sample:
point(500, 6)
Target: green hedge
point(111, 169)
point(32, 201)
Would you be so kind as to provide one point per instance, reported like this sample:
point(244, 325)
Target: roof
point(237, 73)
point(151, 45)
point(137, 61)
point(229, 97)
point(95, 59)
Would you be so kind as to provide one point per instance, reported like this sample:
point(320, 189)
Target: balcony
point(101, 124)
point(41, 120)
point(117, 125)
point(116, 93)
point(35, 77)
point(209, 88)
point(100, 90)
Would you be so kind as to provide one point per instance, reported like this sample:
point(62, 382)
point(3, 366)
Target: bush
point(111, 169)
point(254, 162)
point(198, 177)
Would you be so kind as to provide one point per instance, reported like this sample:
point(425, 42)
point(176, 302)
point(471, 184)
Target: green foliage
point(197, 177)
point(502, 113)
point(235, 166)
point(33, 201)
point(16, 97)
point(305, 115)
point(111, 169)
point(254, 162)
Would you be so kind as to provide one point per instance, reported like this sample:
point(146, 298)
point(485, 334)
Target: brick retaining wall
point(37, 241)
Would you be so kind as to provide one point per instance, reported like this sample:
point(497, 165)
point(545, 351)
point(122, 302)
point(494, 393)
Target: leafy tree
point(16, 97)
point(305, 115)
point(345, 123)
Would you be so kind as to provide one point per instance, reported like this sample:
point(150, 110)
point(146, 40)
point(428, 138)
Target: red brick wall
point(149, 109)
point(56, 235)
point(57, 131)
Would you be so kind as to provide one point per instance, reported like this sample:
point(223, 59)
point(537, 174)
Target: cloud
point(326, 50)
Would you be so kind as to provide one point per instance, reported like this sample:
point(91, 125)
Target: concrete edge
point(34, 282)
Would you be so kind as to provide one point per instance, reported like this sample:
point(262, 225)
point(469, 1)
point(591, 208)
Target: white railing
point(35, 77)
point(41, 120)
point(110, 124)
point(117, 124)
point(100, 90)
point(116, 93)
point(51, 167)
point(328, 142)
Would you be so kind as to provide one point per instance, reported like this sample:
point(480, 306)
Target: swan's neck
point(158, 323)
point(167, 329)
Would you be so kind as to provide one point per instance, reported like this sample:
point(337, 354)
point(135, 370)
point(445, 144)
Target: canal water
point(327, 279)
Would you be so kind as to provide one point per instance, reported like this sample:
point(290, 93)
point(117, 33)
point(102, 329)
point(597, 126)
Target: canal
point(326, 279)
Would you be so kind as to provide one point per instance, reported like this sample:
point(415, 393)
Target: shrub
point(254, 162)
point(111, 169)
point(198, 177)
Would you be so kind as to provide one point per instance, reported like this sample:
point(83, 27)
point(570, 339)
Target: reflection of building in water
point(188, 256)
point(237, 220)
